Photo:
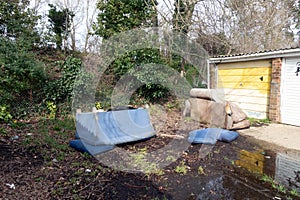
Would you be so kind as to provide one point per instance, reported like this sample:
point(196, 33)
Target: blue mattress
point(98, 132)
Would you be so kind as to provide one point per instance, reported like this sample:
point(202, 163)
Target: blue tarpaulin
point(100, 131)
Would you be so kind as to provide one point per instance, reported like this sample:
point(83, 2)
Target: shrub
point(5, 116)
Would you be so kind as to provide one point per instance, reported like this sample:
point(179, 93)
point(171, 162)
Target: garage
point(263, 84)
point(290, 91)
point(247, 84)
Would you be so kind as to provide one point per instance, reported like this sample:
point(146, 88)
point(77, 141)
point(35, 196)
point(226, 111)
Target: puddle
point(283, 168)
point(229, 188)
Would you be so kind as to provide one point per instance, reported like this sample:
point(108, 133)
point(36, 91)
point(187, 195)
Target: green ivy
point(60, 90)
point(5, 116)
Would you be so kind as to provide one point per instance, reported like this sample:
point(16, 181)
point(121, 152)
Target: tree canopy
point(60, 23)
point(116, 16)
point(18, 23)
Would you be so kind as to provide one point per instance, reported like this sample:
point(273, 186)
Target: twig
point(171, 136)
point(90, 183)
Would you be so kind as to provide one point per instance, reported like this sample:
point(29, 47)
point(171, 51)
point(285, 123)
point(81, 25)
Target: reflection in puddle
point(284, 168)
point(288, 171)
point(229, 188)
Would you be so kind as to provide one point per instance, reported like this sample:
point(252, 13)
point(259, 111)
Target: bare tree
point(90, 15)
point(75, 7)
point(233, 26)
point(263, 24)
point(36, 5)
point(212, 26)
point(247, 25)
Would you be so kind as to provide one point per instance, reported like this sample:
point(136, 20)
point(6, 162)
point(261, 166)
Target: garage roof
point(269, 54)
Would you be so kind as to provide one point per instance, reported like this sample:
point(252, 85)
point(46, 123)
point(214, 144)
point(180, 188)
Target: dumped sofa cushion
point(228, 136)
point(204, 136)
point(211, 135)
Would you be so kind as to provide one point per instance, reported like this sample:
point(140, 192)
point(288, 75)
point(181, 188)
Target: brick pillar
point(213, 76)
point(274, 108)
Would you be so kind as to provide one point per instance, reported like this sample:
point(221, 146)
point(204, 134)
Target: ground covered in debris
point(36, 162)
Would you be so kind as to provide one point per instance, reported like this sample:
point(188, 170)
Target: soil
point(36, 159)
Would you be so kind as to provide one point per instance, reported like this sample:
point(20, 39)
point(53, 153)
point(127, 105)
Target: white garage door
point(290, 92)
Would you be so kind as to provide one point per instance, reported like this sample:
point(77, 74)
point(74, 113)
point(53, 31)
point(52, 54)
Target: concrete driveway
point(280, 134)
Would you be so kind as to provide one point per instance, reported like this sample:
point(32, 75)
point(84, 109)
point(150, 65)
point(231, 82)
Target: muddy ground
point(37, 163)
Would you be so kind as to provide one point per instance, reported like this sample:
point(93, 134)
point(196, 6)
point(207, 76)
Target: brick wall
point(213, 76)
point(274, 109)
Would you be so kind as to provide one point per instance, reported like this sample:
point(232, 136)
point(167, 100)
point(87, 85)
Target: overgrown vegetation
point(37, 79)
point(280, 188)
point(258, 122)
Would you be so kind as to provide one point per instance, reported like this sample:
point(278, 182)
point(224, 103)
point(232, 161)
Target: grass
point(279, 187)
point(51, 137)
point(201, 170)
point(294, 193)
point(181, 168)
point(170, 158)
point(3, 131)
point(267, 179)
point(259, 121)
point(139, 161)
point(229, 160)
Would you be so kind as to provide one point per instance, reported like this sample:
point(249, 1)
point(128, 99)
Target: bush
point(5, 116)
point(21, 77)
point(60, 90)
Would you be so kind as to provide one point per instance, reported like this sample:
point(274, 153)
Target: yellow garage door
point(248, 87)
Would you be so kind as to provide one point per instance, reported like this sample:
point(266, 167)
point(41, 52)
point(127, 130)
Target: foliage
point(201, 170)
point(152, 76)
point(280, 188)
point(52, 109)
point(181, 168)
point(116, 16)
point(151, 72)
point(254, 121)
point(182, 16)
point(17, 23)
point(98, 105)
point(21, 75)
point(61, 89)
point(60, 21)
point(267, 179)
point(5, 116)
point(294, 192)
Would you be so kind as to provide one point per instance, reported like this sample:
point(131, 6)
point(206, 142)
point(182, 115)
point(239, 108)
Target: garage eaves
point(281, 53)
